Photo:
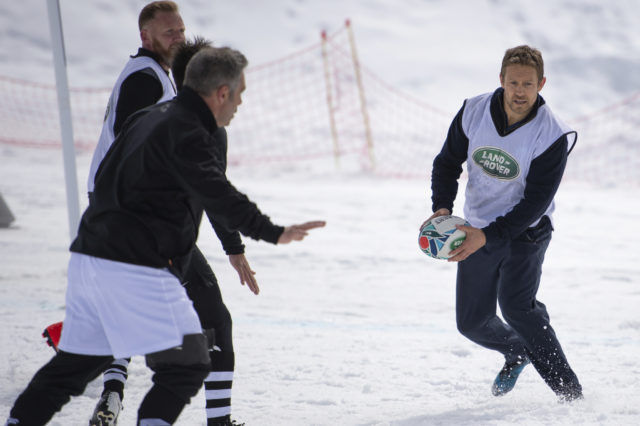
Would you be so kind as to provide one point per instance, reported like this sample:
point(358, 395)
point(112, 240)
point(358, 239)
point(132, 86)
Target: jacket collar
point(499, 116)
point(191, 100)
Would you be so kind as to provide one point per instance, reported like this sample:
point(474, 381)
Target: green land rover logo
point(495, 162)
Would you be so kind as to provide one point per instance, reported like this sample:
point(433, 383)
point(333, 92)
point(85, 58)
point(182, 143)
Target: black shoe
point(107, 410)
point(507, 377)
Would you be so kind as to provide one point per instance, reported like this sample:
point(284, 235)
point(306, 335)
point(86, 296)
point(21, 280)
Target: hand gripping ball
point(439, 236)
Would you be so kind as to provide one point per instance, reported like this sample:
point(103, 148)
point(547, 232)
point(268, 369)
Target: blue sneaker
point(507, 377)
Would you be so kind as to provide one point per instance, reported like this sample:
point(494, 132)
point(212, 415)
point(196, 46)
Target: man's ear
point(541, 84)
point(222, 93)
point(144, 35)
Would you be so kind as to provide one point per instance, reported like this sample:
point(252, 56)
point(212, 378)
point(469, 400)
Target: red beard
point(165, 54)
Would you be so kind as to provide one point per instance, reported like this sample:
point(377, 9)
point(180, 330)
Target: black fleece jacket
point(164, 168)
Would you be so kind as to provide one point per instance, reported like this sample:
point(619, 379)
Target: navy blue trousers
point(510, 276)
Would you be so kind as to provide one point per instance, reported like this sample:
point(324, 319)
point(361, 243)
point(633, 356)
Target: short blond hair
point(148, 13)
point(523, 55)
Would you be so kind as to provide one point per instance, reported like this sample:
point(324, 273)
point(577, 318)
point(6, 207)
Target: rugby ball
point(439, 236)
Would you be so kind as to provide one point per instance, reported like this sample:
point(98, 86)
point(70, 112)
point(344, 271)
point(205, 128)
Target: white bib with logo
point(498, 165)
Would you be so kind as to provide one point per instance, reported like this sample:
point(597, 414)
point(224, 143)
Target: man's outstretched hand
point(298, 232)
point(246, 274)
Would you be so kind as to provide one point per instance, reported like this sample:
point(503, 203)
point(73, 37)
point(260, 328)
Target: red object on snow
point(52, 334)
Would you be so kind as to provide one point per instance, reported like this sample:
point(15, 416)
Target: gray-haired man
point(150, 191)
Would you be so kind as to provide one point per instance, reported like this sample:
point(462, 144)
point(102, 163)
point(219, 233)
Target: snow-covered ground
point(355, 326)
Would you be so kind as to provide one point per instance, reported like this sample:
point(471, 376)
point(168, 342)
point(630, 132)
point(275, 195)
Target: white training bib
point(107, 136)
point(498, 165)
point(120, 309)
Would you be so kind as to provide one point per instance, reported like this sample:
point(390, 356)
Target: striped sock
point(217, 387)
point(115, 376)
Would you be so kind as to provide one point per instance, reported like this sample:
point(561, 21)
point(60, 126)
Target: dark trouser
point(202, 288)
point(65, 375)
point(178, 376)
point(510, 275)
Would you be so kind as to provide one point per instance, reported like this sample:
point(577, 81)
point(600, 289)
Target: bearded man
point(144, 80)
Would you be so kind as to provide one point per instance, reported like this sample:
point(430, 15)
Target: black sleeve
point(139, 90)
point(201, 169)
point(447, 165)
point(543, 179)
point(230, 240)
